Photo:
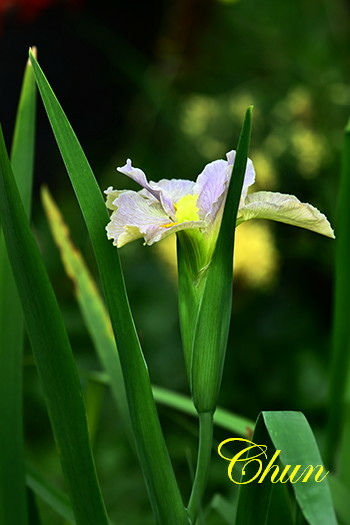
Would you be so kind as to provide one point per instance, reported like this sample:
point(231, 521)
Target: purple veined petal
point(284, 208)
point(170, 192)
point(137, 175)
point(140, 177)
point(249, 176)
point(132, 211)
point(211, 186)
point(138, 216)
point(176, 188)
point(160, 232)
point(112, 195)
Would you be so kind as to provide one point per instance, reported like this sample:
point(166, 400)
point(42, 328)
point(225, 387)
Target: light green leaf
point(53, 497)
point(341, 498)
point(212, 320)
point(52, 353)
point(339, 390)
point(289, 433)
point(164, 494)
point(13, 506)
point(91, 304)
point(222, 418)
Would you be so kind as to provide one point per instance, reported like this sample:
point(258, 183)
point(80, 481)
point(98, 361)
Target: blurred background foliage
point(167, 84)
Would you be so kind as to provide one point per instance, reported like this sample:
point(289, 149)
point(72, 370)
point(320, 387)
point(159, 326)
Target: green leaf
point(222, 418)
point(157, 469)
point(341, 498)
point(290, 434)
point(214, 313)
point(33, 511)
point(91, 305)
point(52, 353)
point(339, 397)
point(53, 497)
point(223, 507)
point(13, 506)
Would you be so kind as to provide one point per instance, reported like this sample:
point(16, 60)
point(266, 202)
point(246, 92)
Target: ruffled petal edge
point(284, 208)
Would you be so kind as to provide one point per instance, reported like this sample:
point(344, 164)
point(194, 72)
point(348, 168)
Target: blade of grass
point(222, 418)
point(209, 346)
point(53, 497)
point(13, 506)
point(94, 394)
point(33, 511)
point(341, 498)
point(339, 395)
point(52, 353)
point(290, 433)
point(157, 469)
point(98, 323)
point(91, 304)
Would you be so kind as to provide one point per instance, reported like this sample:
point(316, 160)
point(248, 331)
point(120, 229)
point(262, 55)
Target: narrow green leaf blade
point(209, 345)
point(98, 323)
point(91, 304)
point(339, 393)
point(53, 497)
point(289, 433)
point(164, 494)
point(52, 353)
point(13, 506)
point(223, 418)
point(33, 511)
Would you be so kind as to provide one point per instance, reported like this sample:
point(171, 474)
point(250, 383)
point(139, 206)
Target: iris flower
point(169, 206)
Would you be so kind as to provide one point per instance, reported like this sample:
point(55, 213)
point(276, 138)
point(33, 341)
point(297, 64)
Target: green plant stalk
point(92, 307)
point(154, 458)
point(13, 506)
point(212, 320)
point(339, 402)
point(52, 353)
point(203, 464)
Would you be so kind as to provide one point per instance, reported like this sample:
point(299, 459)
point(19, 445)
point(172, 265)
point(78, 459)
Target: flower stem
point(203, 462)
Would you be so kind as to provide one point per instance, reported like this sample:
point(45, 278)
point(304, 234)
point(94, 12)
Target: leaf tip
point(33, 53)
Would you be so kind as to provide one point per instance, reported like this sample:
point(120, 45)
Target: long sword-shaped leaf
point(339, 405)
point(289, 433)
point(54, 498)
point(13, 507)
point(90, 302)
point(98, 323)
point(214, 310)
point(222, 418)
point(157, 469)
point(52, 352)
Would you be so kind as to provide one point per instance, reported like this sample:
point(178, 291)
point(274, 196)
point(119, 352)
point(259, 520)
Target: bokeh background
point(167, 83)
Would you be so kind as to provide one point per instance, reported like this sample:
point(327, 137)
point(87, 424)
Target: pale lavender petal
point(137, 216)
point(170, 191)
point(160, 194)
point(136, 174)
point(161, 232)
point(112, 195)
point(211, 186)
point(176, 188)
point(249, 176)
point(284, 208)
